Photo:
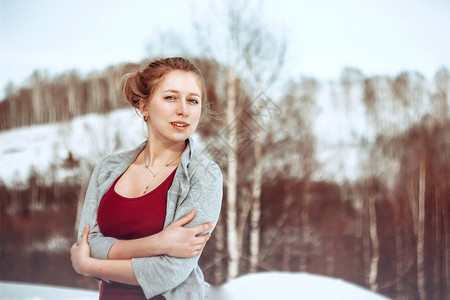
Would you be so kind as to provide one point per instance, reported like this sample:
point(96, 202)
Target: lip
point(180, 125)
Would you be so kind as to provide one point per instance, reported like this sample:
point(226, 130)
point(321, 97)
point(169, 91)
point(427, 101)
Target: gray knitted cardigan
point(197, 185)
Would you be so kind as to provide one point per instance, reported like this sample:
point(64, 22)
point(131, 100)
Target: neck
point(158, 153)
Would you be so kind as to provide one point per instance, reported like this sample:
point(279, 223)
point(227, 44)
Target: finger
point(186, 219)
point(202, 227)
point(205, 237)
point(201, 240)
point(84, 238)
point(197, 249)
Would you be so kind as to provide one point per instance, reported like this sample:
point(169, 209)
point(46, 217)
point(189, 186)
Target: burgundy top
point(130, 218)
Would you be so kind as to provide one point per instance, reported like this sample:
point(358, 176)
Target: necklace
point(153, 173)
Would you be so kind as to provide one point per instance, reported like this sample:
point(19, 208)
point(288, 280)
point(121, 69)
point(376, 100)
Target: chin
point(180, 137)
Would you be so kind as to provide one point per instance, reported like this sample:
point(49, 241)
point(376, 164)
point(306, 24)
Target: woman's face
point(175, 107)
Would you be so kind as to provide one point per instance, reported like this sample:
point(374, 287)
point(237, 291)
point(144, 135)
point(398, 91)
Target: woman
point(163, 183)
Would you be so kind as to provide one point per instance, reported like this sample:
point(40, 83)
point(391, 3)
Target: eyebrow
point(176, 91)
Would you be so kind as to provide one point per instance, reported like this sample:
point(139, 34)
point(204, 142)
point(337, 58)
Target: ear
point(143, 108)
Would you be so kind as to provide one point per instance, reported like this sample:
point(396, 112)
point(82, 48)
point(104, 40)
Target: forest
point(366, 199)
point(386, 229)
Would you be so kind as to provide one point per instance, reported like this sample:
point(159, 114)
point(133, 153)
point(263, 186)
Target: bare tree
point(37, 104)
point(232, 157)
point(290, 154)
point(440, 98)
point(249, 48)
point(409, 89)
point(73, 94)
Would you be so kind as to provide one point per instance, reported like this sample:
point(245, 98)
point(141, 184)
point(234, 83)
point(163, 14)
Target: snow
point(20, 291)
point(257, 286)
point(338, 128)
point(90, 137)
point(286, 286)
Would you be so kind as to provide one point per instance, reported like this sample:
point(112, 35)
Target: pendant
point(148, 186)
point(146, 189)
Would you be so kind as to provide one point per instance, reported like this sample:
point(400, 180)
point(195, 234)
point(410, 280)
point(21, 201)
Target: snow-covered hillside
point(88, 138)
point(341, 127)
point(43, 149)
point(258, 286)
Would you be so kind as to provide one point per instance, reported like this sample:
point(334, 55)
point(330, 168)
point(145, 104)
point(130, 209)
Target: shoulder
point(203, 167)
point(119, 160)
point(123, 157)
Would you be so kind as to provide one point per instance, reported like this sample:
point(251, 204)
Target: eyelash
point(173, 98)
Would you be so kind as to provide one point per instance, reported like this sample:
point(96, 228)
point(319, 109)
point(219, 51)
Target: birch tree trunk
point(366, 244)
point(51, 106)
point(71, 83)
point(438, 242)
point(421, 228)
point(399, 260)
point(113, 88)
point(36, 100)
point(373, 271)
point(255, 212)
point(96, 94)
point(446, 229)
point(306, 230)
point(359, 229)
point(232, 176)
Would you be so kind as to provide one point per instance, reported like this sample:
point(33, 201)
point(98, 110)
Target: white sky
point(324, 36)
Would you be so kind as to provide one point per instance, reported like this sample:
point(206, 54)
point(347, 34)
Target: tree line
point(388, 230)
point(47, 99)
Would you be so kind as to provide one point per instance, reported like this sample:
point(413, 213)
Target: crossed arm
point(175, 240)
point(139, 262)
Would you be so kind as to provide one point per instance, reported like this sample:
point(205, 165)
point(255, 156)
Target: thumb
point(84, 238)
point(186, 219)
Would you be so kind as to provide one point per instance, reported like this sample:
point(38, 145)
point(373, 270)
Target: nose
point(182, 108)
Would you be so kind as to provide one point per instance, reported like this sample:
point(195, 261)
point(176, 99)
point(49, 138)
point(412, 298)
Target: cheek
point(197, 114)
point(159, 110)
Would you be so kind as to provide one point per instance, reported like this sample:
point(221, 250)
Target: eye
point(169, 97)
point(193, 100)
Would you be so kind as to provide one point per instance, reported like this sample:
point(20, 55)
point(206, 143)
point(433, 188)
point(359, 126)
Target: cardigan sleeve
point(99, 244)
point(164, 274)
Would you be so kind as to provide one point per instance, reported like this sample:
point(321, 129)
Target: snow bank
point(258, 286)
point(286, 286)
point(20, 291)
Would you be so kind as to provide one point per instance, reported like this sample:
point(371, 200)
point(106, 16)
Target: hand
point(81, 254)
point(179, 241)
